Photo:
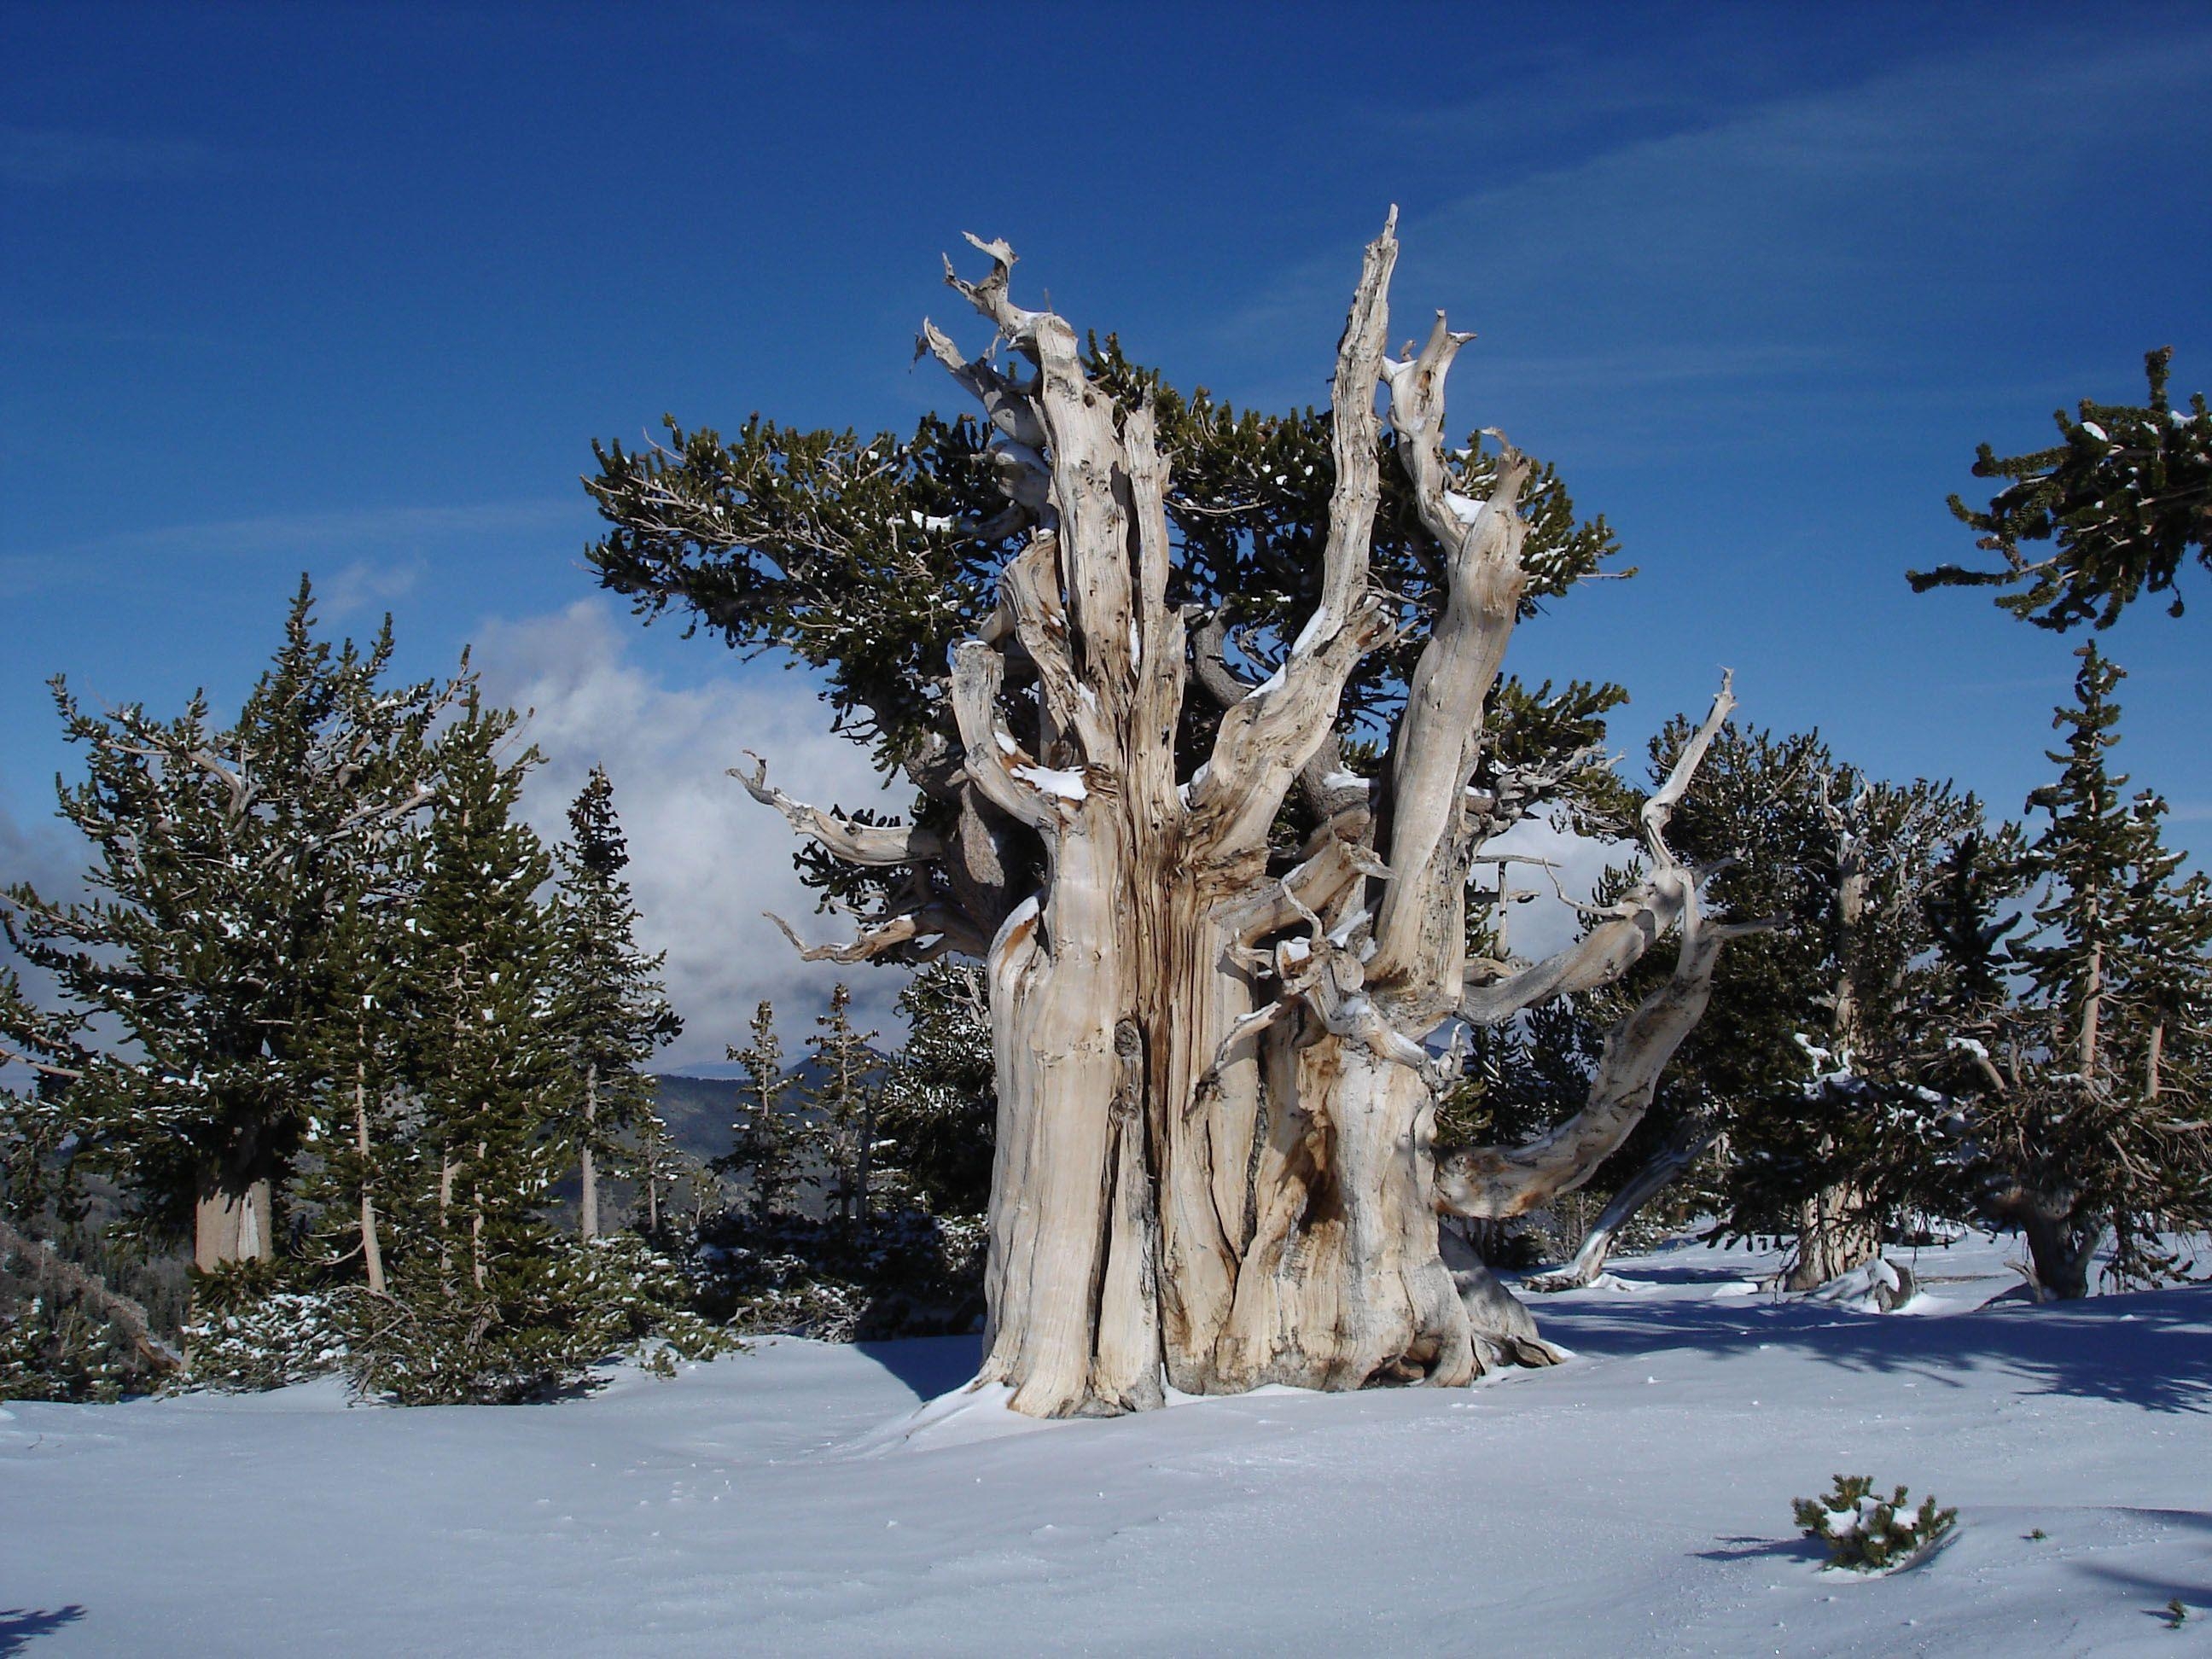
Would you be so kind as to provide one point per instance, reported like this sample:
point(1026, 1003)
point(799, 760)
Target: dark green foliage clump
point(2124, 498)
point(347, 994)
point(2079, 1045)
point(1866, 1534)
point(54, 1344)
point(608, 1009)
point(527, 1335)
point(938, 1115)
point(863, 1219)
point(906, 1274)
point(766, 1146)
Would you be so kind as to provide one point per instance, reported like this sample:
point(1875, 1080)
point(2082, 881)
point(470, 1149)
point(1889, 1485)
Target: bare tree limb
point(1273, 730)
point(915, 936)
point(867, 844)
point(977, 673)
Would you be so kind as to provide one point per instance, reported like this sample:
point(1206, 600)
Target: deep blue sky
point(350, 288)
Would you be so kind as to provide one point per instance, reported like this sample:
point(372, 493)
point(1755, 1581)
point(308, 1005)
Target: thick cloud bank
point(706, 861)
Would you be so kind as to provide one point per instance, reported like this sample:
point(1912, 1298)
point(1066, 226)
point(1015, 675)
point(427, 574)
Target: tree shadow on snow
point(1741, 1548)
point(20, 1626)
point(2143, 1349)
point(2195, 1595)
point(930, 1365)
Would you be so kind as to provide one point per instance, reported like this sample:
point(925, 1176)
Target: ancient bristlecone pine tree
point(1216, 1074)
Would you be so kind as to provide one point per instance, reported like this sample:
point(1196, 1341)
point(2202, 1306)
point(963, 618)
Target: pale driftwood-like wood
point(1495, 1182)
point(1215, 1161)
point(1683, 1148)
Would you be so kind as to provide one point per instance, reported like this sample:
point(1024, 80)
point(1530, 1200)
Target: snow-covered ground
point(1635, 1500)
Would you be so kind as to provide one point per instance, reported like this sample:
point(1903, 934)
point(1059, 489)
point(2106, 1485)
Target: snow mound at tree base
point(1881, 1287)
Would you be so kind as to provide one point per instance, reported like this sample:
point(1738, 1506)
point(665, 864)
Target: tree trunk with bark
point(1835, 1233)
point(587, 1206)
point(1215, 1164)
point(1834, 1237)
point(372, 1249)
point(233, 1214)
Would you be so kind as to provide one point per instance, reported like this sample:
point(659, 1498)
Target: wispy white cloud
point(1548, 922)
point(367, 582)
point(1760, 242)
point(338, 530)
point(49, 855)
point(706, 860)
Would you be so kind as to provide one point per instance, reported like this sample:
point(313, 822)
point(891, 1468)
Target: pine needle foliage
point(608, 1003)
point(2124, 498)
point(223, 855)
point(766, 1144)
point(1870, 1535)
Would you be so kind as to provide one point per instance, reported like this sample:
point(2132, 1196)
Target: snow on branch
point(992, 754)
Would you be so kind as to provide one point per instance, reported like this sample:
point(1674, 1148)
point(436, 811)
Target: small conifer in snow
point(1867, 1534)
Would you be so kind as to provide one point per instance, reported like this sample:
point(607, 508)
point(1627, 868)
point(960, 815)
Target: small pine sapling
point(1864, 1533)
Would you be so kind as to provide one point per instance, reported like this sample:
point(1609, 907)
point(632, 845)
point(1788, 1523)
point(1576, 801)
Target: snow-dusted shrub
point(244, 1343)
point(536, 1328)
point(1865, 1532)
point(53, 1348)
point(909, 1275)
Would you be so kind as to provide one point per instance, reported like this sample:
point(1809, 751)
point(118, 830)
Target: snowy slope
point(791, 1500)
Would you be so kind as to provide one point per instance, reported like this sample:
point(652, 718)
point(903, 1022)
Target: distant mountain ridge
point(700, 1112)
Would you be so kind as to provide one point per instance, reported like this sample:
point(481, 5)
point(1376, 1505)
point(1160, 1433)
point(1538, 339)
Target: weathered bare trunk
point(1345, 1284)
point(1835, 1234)
point(372, 1251)
point(587, 1206)
point(447, 1169)
point(1071, 1233)
point(477, 1221)
point(1215, 1153)
point(1682, 1149)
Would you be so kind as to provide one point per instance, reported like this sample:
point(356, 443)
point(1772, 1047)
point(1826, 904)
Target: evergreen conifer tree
point(607, 997)
point(940, 1101)
point(484, 1061)
point(765, 1147)
point(2090, 1116)
point(223, 856)
point(845, 1096)
point(1804, 1016)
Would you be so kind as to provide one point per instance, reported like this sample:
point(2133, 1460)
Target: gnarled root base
point(1504, 1331)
